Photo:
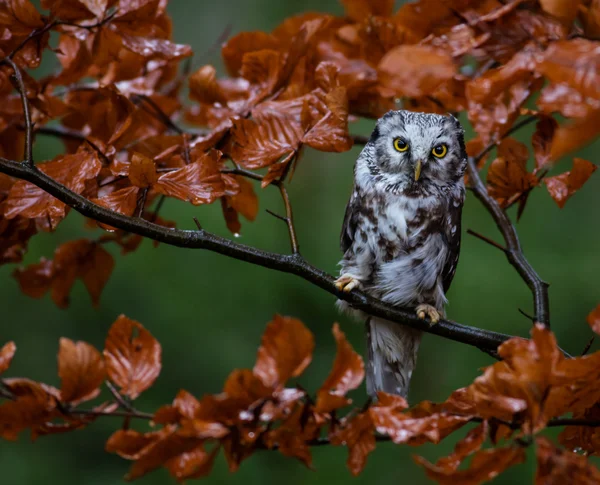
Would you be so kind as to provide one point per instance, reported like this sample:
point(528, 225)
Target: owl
point(401, 233)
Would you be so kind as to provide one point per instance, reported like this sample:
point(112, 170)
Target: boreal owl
point(401, 233)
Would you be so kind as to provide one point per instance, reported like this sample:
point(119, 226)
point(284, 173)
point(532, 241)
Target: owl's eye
point(440, 151)
point(400, 145)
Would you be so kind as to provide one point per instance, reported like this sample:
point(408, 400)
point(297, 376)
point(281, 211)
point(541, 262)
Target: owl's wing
point(350, 222)
point(452, 231)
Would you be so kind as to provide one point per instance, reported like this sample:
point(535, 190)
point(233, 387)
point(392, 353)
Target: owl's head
point(418, 150)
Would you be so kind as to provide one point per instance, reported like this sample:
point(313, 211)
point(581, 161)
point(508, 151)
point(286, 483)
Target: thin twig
point(526, 315)
point(588, 346)
point(62, 132)
point(486, 239)
point(197, 222)
point(158, 113)
point(275, 215)
point(119, 414)
point(517, 127)
point(141, 204)
point(360, 139)
point(28, 152)
point(123, 404)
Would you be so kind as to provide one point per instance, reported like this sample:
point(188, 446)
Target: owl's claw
point(425, 310)
point(347, 283)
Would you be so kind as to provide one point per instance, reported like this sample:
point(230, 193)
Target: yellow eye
point(400, 145)
point(440, 151)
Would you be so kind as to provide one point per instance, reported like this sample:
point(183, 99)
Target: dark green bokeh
point(208, 311)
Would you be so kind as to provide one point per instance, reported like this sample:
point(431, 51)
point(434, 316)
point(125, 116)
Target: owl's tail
point(392, 356)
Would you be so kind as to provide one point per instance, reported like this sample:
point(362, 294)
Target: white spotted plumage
point(401, 233)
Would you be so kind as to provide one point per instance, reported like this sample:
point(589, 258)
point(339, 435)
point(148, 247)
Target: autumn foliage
point(132, 142)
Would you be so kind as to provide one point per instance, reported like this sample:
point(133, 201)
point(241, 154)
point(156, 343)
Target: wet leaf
point(81, 370)
point(142, 172)
point(347, 373)
point(285, 351)
point(132, 356)
point(486, 464)
point(564, 186)
point(359, 435)
point(556, 466)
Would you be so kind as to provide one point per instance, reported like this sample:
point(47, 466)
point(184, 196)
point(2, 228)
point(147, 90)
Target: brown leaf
point(72, 171)
point(7, 352)
point(73, 10)
point(80, 259)
point(575, 62)
point(142, 172)
point(32, 406)
point(556, 466)
point(132, 355)
point(81, 370)
point(347, 373)
point(508, 175)
point(359, 10)
point(234, 49)
point(470, 444)
point(259, 144)
point(564, 186)
point(130, 444)
point(486, 464)
point(359, 435)
point(197, 463)
point(542, 141)
point(152, 48)
point(200, 182)
point(564, 10)
point(415, 70)
point(330, 132)
point(123, 201)
point(573, 136)
point(285, 351)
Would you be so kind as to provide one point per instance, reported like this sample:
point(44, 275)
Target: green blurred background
point(209, 311)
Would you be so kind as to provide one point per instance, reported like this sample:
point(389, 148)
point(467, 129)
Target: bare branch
point(486, 239)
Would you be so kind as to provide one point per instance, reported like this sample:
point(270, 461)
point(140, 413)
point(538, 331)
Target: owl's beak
point(418, 170)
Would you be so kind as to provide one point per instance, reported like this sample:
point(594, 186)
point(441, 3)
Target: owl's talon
point(425, 310)
point(347, 283)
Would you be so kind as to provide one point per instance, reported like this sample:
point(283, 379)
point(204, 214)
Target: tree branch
point(294, 264)
point(513, 250)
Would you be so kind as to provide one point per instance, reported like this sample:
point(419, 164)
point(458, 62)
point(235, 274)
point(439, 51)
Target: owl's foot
point(347, 283)
point(424, 310)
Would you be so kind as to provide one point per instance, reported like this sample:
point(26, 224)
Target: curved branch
point(485, 340)
point(513, 250)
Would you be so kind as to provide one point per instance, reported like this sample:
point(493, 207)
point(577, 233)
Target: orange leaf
point(81, 370)
point(7, 352)
point(131, 444)
point(200, 182)
point(563, 186)
point(415, 70)
point(556, 466)
point(486, 464)
point(330, 133)
point(193, 464)
point(347, 373)
point(142, 172)
point(72, 171)
point(132, 355)
point(152, 48)
point(245, 201)
point(573, 136)
point(359, 435)
point(259, 144)
point(508, 175)
point(33, 405)
point(123, 201)
point(467, 446)
point(285, 351)
point(359, 10)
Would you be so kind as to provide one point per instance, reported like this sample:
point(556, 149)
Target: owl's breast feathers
point(405, 247)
